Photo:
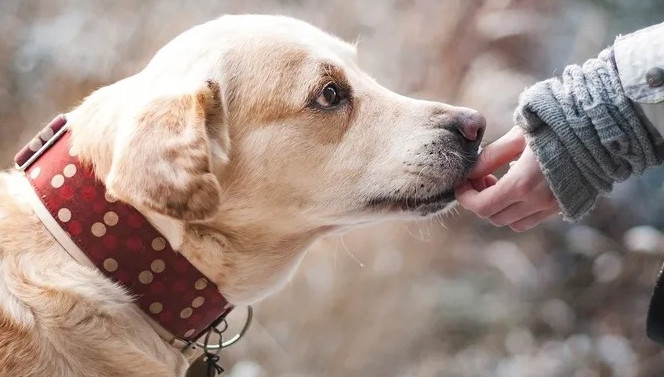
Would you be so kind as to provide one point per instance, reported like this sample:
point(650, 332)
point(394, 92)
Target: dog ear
point(164, 160)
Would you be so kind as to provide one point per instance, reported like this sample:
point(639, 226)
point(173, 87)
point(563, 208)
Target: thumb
point(499, 153)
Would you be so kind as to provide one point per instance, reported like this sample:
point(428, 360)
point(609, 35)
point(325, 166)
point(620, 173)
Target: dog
point(242, 141)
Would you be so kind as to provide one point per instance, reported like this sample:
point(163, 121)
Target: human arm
point(580, 134)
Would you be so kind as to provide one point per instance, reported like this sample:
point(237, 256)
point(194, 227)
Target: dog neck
point(248, 262)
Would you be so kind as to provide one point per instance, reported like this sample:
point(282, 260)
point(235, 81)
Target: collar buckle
point(41, 143)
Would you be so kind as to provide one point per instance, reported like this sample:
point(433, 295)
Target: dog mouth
point(441, 175)
point(423, 205)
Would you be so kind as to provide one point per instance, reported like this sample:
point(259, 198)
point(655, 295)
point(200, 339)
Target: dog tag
point(198, 368)
point(205, 366)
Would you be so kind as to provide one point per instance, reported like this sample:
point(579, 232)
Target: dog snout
point(471, 125)
point(461, 121)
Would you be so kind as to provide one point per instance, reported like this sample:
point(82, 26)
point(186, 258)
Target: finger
point(487, 202)
point(514, 212)
point(499, 153)
point(478, 183)
point(490, 180)
point(533, 199)
point(533, 220)
point(523, 209)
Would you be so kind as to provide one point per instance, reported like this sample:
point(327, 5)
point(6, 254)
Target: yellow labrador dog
point(242, 141)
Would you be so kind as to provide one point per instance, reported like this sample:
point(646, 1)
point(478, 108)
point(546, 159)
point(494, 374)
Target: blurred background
point(452, 296)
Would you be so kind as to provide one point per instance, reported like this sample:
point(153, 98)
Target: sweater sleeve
point(586, 133)
point(639, 60)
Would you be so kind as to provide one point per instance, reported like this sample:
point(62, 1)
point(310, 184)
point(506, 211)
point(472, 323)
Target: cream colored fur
point(243, 173)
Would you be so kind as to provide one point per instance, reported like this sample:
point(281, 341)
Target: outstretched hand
point(521, 199)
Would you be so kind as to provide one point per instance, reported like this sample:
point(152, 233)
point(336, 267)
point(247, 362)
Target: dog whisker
point(348, 251)
point(440, 219)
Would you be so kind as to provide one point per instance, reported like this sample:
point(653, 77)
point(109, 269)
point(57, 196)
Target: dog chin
point(421, 206)
point(436, 208)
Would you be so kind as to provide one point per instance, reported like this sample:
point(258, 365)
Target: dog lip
point(410, 203)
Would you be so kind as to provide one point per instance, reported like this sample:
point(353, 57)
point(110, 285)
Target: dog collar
point(99, 230)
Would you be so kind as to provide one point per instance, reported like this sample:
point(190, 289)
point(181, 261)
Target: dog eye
point(330, 96)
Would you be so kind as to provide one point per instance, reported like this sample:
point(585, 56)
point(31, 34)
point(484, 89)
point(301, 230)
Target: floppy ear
point(164, 161)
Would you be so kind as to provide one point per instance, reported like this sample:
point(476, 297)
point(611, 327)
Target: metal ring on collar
point(221, 344)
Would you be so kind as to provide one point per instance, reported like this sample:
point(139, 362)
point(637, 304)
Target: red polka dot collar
point(101, 231)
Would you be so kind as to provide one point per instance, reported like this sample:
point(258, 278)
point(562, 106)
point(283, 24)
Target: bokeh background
point(448, 297)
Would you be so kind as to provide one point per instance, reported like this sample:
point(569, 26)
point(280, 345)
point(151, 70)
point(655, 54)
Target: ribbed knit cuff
point(563, 176)
point(585, 134)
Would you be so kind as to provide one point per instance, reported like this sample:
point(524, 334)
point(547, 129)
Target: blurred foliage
point(448, 297)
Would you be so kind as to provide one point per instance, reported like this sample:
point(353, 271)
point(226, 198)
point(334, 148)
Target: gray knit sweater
point(586, 133)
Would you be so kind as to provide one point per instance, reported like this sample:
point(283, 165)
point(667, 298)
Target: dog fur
point(241, 169)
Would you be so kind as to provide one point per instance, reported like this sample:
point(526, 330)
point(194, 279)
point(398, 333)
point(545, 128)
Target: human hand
point(521, 199)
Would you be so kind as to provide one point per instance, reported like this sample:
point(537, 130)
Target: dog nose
point(472, 125)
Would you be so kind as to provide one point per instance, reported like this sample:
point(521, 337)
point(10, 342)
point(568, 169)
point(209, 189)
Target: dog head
point(262, 125)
